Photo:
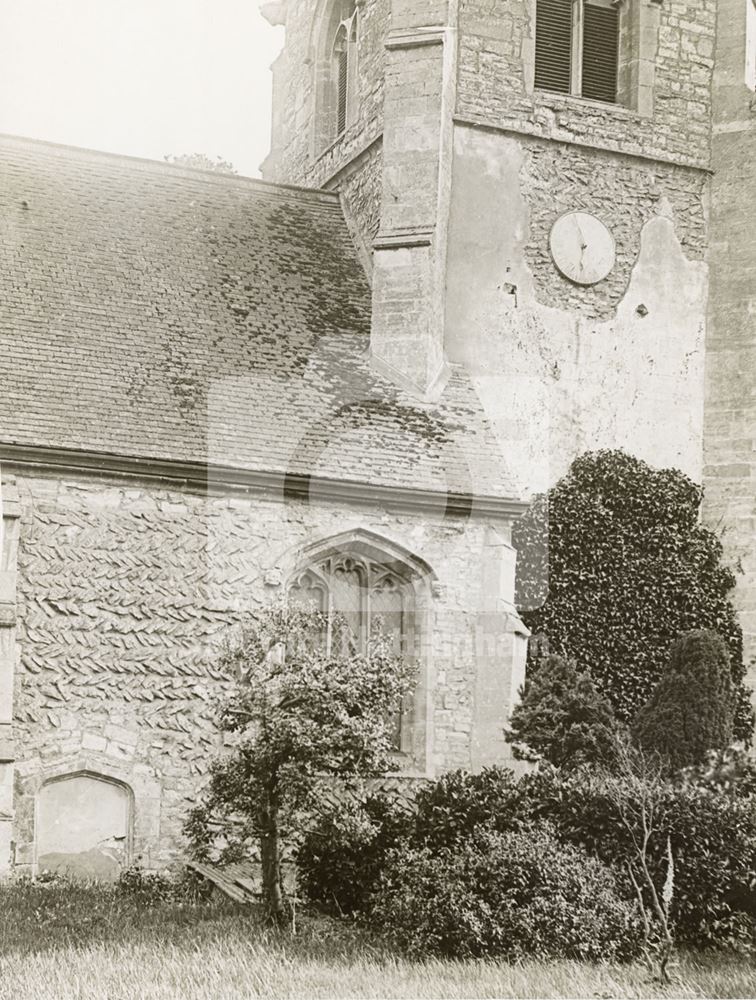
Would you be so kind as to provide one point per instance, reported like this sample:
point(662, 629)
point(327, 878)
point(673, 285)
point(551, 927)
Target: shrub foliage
point(712, 830)
point(562, 717)
point(412, 874)
point(341, 856)
point(451, 809)
point(613, 565)
point(504, 895)
point(692, 709)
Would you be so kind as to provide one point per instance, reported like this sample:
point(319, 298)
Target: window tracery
point(368, 597)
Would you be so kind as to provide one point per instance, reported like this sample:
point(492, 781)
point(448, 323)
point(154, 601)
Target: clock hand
point(583, 244)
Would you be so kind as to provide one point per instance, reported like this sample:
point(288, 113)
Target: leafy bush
point(458, 804)
point(613, 564)
point(712, 831)
point(731, 773)
point(691, 711)
point(147, 888)
point(504, 895)
point(340, 859)
point(562, 717)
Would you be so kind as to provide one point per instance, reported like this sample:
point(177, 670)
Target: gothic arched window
point(368, 595)
point(344, 67)
point(336, 73)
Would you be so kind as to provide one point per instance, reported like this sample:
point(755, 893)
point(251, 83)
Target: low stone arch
point(84, 824)
point(142, 785)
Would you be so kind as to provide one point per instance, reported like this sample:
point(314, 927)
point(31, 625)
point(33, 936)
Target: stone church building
point(491, 235)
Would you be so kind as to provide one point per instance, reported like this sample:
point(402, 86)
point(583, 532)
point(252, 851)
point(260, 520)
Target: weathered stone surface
point(572, 367)
point(451, 177)
point(125, 595)
point(563, 369)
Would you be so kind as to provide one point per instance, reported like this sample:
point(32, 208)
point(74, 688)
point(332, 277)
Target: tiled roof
point(149, 310)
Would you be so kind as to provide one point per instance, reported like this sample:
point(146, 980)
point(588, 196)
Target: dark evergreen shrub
point(562, 717)
point(456, 805)
point(712, 829)
point(613, 565)
point(731, 773)
point(504, 895)
point(692, 709)
point(341, 857)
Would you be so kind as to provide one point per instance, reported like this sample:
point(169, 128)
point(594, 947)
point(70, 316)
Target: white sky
point(144, 77)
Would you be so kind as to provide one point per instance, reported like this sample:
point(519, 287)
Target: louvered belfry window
point(553, 68)
point(344, 66)
point(577, 48)
point(341, 54)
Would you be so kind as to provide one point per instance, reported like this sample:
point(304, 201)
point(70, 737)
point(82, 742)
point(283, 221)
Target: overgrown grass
point(66, 941)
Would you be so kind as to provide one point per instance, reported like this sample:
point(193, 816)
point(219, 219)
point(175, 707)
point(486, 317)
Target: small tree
point(636, 787)
point(692, 709)
point(562, 717)
point(302, 712)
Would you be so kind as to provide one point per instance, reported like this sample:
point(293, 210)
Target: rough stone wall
point(124, 594)
point(296, 157)
point(625, 193)
point(563, 369)
point(352, 164)
point(730, 455)
point(360, 188)
point(495, 81)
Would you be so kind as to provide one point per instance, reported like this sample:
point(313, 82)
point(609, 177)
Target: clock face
point(582, 248)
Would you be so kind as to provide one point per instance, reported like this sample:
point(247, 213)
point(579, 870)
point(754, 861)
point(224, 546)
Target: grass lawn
point(65, 942)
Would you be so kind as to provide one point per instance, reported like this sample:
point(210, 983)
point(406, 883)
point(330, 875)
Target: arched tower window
point(369, 590)
point(344, 67)
point(336, 73)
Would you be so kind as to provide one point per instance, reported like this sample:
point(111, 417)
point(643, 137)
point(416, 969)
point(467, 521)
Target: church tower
point(528, 182)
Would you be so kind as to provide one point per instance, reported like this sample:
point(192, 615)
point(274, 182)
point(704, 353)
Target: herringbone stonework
point(125, 595)
point(212, 383)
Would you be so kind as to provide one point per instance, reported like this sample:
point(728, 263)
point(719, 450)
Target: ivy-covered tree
point(302, 711)
point(691, 712)
point(613, 565)
point(563, 718)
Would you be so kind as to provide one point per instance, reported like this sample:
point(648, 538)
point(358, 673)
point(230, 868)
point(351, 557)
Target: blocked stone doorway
point(83, 826)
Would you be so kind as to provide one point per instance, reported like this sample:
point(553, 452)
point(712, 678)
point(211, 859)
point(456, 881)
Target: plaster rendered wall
point(730, 471)
point(496, 52)
point(563, 369)
point(125, 593)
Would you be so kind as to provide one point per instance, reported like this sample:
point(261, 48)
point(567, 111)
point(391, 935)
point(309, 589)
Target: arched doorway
point(83, 826)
